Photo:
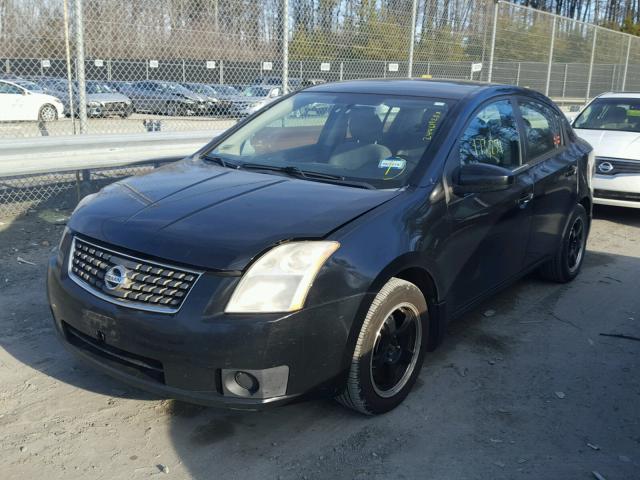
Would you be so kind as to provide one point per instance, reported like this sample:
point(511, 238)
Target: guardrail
point(83, 152)
point(60, 170)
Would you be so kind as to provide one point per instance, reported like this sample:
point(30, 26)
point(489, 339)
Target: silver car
point(253, 99)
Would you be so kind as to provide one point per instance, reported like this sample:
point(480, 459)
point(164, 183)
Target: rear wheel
point(48, 113)
point(566, 263)
point(389, 351)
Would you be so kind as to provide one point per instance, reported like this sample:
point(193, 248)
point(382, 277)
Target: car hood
point(244, 99)
point(107, 97)
point(608, 143)
point(217, 218)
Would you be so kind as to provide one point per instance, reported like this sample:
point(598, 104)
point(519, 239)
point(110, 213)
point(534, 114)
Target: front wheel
point(389, 351)
point(565, 264)
point(48, 113)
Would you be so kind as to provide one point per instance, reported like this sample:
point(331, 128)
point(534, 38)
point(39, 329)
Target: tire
point(567, 261)
point(172, 110)
point(48, 113)
point(380, 375)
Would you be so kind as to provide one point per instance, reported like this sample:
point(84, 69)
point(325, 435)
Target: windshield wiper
point(297, 172)
point(220, 161)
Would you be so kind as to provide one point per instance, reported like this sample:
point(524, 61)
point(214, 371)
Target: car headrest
point(616, 115)
point(365, 126)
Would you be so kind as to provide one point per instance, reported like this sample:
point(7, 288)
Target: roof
point(447, 89)
point(620, 95)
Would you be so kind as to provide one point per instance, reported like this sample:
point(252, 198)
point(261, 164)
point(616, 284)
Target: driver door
point(490, 229)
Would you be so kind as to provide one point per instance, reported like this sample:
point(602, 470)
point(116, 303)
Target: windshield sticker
point(393, 163)
point(395, 167)
point(431, 126)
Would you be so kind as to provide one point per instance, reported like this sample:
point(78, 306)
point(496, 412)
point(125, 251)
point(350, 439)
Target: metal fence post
point(553, 41)
point(221, 73)
point(82, 91)
point(564, 80)
point(184, 71)
point(67, 46)
point(593, 54)
point(341, 71)
point(412, 40)
point(493, 41)
point(285, 46)
point(7, 65)
point(626, 66)
point(518, 74)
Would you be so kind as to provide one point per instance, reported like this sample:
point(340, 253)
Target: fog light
point(247, 381)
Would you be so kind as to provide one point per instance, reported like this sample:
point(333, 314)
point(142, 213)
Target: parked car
point(165, 98)
point(293, 83)
point(29, 85)
point(217, 105)
point(253, 99)
point(102, 101)
point(611, 123)
point(289, 259)
point(19, 103)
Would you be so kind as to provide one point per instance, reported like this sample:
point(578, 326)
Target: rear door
point(554, 168)
point(490, 230)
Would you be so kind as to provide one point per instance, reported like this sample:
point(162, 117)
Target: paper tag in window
point(395, 163)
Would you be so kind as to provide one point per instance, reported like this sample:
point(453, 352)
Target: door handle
point(571, 171)
point(524, 200)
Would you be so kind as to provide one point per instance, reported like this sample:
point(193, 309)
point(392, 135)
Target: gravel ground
point(524, 387)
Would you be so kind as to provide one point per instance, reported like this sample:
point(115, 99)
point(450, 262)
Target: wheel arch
point(414, 269)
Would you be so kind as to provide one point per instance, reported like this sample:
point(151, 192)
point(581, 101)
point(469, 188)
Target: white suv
point(18, 103)
point(611, 124)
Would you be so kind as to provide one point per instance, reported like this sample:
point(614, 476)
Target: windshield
point(201, 89)
point(255, 92)
point(175, 88)
point(224, 90)
point(94, 87)
point(31, 86)
point(621, 114)
point(374, 139)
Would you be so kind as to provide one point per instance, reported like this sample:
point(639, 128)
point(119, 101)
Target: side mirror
point(481, 177)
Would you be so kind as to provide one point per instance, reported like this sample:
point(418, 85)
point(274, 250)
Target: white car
point(18, 103)
point(611, 124)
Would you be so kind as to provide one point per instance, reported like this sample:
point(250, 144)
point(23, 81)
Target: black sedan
point(320, 247)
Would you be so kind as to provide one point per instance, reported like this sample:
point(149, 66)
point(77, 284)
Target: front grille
point(136, 365)
point(619, 166)
point(613, 195)
point(134, 283)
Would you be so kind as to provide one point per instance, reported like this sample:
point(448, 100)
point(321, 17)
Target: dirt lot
point(524, 387)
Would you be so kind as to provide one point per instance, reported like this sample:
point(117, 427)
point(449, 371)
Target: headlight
point(188, 101)
point(280, 280)
point(93, 104)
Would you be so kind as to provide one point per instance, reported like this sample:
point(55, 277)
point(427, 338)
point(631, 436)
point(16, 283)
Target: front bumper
point(617, 190)
point(189, 355)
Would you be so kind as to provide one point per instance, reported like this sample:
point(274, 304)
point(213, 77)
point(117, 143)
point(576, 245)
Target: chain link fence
point(127, 66)
point(133, 66)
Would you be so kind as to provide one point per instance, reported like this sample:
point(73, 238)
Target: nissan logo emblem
point(115, 277)
point(605, 167)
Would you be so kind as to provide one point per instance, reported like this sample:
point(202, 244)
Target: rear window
point(621, 114)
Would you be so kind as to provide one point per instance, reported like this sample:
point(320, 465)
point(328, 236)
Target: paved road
point(532, 391)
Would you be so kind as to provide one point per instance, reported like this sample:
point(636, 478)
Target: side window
point(541, 128)
point(11, 89)
point(492, 137)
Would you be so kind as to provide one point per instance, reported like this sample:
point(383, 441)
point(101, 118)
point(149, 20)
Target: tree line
point(252, 30)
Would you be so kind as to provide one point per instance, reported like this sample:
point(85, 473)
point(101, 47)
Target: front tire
point(389, 350)
point(48, 113)
point(567, 261)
